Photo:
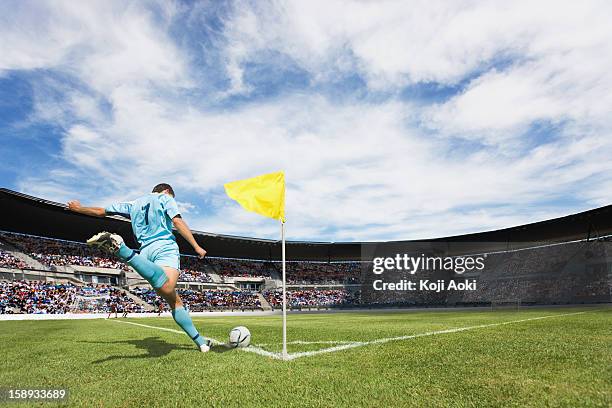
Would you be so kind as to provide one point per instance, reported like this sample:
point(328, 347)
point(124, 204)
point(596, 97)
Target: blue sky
point(391, 120)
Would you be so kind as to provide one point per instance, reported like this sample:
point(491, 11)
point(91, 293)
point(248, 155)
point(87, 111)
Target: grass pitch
point(560, 361)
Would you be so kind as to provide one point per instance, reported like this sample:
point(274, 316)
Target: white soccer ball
point(239, 337)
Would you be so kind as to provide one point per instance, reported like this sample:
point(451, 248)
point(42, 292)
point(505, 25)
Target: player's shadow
point(222, 348)
point(154, 347)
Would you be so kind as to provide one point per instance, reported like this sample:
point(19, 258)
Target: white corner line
point(309, 342)
point(250, 349)
point(293, 356)
point(344, 345)
point(150, 327)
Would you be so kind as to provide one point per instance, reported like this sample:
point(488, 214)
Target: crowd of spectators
point(219, 300)
point(577, 272)
point(7, 260)
point(567, 273)
point(308, 273)
point(195, 263)
point(189, 275)
point(203, 300)
point(311, 298)
point(53, 252)
point(557, 274)
point(241, 268)
point(36, 297)
point(80, 260)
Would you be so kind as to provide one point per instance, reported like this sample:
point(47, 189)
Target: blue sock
point(153, 273)
point(181, 317)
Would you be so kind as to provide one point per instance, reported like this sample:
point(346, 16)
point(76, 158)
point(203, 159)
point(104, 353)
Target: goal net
point(89, 304)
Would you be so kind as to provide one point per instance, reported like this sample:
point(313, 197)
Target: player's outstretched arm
point(183, 229)
point(76, 206)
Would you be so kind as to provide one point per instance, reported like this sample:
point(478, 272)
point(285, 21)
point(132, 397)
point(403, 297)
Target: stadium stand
point(53, 252)
point(312, 298)
point(552, 274)
point(8, 260)
point(312, 273)
point(242, 268)
point(577, 272)
point(189, 275)
point(205, 300)
point(567, 260)
point(195, 270)
point(35, 297)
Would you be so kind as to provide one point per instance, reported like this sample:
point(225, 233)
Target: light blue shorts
point(164, 252)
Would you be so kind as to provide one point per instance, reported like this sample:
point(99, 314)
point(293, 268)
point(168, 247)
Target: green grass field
point(559, 361)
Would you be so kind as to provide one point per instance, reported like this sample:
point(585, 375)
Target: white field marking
point(150, 327)
point(250, 349)
point(293, 356)
point(310, 342)
point(350, 345)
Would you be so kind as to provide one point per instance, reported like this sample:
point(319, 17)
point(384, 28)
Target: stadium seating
point(198, 301)
point(298, 299)
point(53, 252)
point(564, 273)
point(35, 297)
point(189, 275)
point(308, 273)
point(242, 268)
point(7, 260)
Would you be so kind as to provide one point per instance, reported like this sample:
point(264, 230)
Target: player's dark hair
point(163, 186)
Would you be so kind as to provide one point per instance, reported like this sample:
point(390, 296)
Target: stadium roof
point(31, 215)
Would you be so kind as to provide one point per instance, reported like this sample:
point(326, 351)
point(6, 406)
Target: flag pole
point(284, 292)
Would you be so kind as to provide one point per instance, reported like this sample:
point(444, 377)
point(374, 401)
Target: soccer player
point(160, 307)
point(152, 217)
point(112, 308)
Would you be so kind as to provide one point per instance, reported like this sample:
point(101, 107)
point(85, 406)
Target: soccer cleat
point(106, 241)
point(205, 348)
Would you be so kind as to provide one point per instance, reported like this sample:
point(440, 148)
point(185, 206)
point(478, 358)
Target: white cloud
point(105, 44)
point(397, 42)
point(356, 169)
point(560, 53)
point(186, 207)
point(355, 166)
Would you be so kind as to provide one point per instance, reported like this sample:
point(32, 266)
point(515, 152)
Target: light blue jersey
point(151, 216)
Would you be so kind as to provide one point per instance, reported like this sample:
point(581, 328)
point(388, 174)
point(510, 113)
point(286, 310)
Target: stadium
point(321, 203)
point(545, 286)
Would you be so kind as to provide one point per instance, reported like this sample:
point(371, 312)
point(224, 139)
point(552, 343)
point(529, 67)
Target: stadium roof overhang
point(31, 215)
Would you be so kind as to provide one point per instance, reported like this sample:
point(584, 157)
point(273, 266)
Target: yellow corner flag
point(263, 194)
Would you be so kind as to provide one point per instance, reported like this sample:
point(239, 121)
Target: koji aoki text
point(425, 284)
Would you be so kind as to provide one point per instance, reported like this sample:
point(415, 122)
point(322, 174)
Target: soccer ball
point(239, 337)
